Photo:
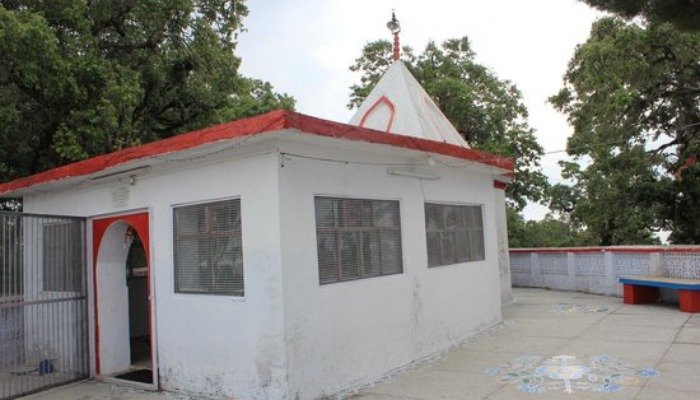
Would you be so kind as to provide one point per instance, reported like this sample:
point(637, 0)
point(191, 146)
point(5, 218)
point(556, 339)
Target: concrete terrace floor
point(644, 351)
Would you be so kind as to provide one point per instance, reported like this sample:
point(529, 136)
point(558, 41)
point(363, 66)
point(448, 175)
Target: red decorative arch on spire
point(380, 101)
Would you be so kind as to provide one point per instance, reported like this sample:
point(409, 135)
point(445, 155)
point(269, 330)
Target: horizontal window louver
point(62, 257)
point(209, 248)
point(454, 234)
point(357, 238)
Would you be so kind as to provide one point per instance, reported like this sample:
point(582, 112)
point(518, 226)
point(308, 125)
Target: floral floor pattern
point(602, 373)
point(576, 308)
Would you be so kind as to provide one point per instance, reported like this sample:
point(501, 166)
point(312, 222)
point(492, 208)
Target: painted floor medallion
point(569, 374)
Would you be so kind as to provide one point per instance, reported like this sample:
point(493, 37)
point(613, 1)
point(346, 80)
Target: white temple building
point(286, 256)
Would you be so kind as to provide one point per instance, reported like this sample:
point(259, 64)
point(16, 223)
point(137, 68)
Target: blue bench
point(645, 289)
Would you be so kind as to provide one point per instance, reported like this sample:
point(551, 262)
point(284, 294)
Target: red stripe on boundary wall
point(612, 249)
point(269, 122)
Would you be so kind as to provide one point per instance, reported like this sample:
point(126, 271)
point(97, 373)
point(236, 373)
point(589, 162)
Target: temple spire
point(395, 28)
point(398, 104)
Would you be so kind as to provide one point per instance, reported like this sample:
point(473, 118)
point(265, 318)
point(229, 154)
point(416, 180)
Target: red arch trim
point(99, 226)
point(381, 100)
point(138, 221)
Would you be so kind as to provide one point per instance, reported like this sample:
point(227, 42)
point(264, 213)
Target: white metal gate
point(43, 303)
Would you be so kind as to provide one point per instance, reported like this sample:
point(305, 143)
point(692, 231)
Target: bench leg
point(635, 294)
point(689, 300)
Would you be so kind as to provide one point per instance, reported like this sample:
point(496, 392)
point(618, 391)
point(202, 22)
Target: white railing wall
point(597, 269)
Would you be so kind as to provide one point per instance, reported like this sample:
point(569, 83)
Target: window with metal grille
point(209, 248)
point(357, 238)
point(62, 259)
point(454, 234)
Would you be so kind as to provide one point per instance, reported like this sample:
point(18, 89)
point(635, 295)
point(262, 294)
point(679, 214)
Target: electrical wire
point(617, 143)
point(339, 161)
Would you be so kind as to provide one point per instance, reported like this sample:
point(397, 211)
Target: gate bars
point(43, 302)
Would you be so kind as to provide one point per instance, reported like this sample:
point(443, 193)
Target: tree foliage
point(632, 95)
point(487, 111)
point(683, 14)
point(84, 77)
point(549, 232)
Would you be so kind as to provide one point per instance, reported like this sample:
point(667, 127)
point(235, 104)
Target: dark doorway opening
point(141, 369)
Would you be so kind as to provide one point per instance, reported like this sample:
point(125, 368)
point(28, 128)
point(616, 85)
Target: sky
point(304, 48)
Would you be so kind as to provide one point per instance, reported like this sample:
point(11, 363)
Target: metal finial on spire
point(395, 28)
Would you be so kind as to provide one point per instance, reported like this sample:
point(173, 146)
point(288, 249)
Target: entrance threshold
point(138, 375)
point(125, 382)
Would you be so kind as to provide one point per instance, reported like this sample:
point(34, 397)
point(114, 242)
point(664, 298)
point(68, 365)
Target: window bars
point(357, 238)
point(454, 234)
point(209, 249)
point(43, 306)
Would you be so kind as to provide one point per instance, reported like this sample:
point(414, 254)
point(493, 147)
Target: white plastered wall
point(218, 346)
point(113, 308)
point(344, 335)
point(503, 248)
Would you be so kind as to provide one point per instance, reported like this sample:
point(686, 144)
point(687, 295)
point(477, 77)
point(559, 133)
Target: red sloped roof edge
point(268, 122)
point(327, 128)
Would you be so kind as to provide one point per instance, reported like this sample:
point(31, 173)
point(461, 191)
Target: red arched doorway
point(122, 300)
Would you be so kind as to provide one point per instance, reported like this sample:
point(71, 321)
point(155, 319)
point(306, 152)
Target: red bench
point(645, 289)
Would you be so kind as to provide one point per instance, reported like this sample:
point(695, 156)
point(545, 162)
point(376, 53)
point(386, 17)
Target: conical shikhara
point(400, 105)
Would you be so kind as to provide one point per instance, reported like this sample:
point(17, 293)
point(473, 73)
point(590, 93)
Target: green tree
point(684, 14)
point(549, 232)
point(80, 78)
point(632, 95)
point(487, 111)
